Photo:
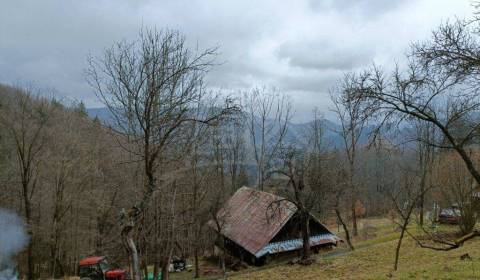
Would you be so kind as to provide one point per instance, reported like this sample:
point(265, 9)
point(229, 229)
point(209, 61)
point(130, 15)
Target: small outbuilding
point(256, 224)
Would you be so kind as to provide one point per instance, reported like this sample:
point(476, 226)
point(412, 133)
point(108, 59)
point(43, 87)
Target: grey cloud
point(363, 8)
point(298, 46)
point(311, 82)
point(324, 55)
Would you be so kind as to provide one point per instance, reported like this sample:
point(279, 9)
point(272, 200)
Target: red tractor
point(97, 268)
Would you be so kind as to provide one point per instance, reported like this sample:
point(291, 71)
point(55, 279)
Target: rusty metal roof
point(91, 260)
point(251, 218)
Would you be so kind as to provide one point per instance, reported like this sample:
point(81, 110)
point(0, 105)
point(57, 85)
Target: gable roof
point(249, 219)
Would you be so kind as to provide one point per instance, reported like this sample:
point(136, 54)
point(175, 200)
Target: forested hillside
point(62, 172)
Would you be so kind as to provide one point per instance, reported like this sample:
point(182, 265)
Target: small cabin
point(257, 225)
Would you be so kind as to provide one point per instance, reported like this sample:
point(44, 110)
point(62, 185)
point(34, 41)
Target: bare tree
point(439, 86)
point(399, 180)
point(72, 176)
point(67, 175)
point(298, 194)
point(434, 88)
point(425, 133)
point(151, 87)
point(169, 235)
point(352, 120)
point(220, 215)
point(235, 152)
point(200, 175)
point(303, 167)
point(268, 114)
point(25, 119)
point(340, 187)
point(458, 188)
point(404, 200)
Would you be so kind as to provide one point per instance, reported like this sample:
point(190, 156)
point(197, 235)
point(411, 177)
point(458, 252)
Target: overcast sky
point(301, 47)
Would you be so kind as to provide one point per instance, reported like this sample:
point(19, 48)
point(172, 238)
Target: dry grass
point(374, 260)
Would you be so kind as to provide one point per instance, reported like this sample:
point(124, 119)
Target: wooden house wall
point(292, 230)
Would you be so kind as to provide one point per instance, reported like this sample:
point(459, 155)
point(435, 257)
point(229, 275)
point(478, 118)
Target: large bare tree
point(268, 114)
point(151, 86)
point(439, 86)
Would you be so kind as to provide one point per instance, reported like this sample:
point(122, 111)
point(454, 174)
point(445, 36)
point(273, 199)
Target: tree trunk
point(306, 238)
point(345, 228)
point(399, 244)
point(155, 268)
point(156, 254)
point(197, 269)
point(76, 236)
point(422, 194)
point(422, 210)
point(30, 273)
point(28, 217)
point(354, 220)
point(130, 266)
point(145, 267)
point(156, 242)
point(53, 254)
point(224, 255)
point(132, 250)
point(165, 266)
point(460, 150)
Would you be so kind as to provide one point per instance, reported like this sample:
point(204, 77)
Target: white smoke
point(13, 239)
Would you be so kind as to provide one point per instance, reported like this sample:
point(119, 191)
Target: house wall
point(292, 230)
point(237, 251)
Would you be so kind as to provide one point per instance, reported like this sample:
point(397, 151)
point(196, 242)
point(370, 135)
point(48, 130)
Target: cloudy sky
point(301, 47)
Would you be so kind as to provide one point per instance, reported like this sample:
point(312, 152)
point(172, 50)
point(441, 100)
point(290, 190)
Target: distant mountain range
point(296, 131)
point(102, 114)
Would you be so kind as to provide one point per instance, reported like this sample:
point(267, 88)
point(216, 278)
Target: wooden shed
point(253, 230)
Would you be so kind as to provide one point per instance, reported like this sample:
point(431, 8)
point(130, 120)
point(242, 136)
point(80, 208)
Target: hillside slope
point(375, 260)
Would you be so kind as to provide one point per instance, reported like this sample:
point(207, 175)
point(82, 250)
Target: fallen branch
point(449, 245)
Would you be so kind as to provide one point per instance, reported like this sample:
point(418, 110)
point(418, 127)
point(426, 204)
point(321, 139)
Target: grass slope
point(374, 260)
